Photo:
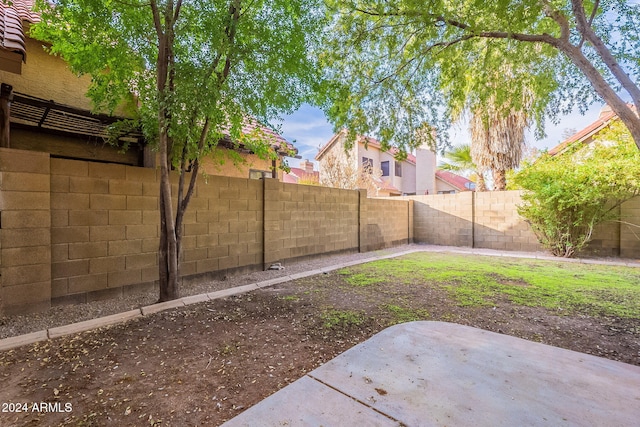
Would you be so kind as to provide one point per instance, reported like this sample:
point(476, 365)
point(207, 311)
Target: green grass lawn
point(473, 280)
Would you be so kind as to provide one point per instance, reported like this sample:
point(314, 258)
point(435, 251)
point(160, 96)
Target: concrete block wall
point(490, 220)
point(630, 229)
point(106, 226)
point(443, 219)
point(305, 220)
point(104, 229)
point(25, 238)
point(387, 223)
point(497, 224)
point(72, 231)
point(224, 227)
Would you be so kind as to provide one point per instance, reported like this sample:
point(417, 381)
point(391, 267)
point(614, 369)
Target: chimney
point(307, 166)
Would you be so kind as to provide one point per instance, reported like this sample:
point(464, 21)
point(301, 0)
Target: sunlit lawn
point(473, 280)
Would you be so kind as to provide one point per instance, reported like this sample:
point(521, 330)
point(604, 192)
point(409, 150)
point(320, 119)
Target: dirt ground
point(205, 363)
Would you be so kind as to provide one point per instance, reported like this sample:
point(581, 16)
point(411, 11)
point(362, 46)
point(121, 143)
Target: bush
point(566, 196)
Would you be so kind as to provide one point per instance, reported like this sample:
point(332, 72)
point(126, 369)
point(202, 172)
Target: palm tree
point(497, 139)
point(459, 160)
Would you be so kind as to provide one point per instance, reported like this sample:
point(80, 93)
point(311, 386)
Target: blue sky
point(309, 129)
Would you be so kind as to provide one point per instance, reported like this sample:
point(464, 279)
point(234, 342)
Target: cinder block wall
point(224, 226)
point(386, 223)
point(305, 220)
point(443, 219)
point(74, 231)
point(104, 229)
point(25, 238)
point(497, 224)
point(630, 229)
point(490, 220)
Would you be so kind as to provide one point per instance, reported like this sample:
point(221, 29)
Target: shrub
point(566, 196)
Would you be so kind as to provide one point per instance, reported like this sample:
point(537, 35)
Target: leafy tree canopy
point(395, 65)
point(223, 68)
point(197, 69)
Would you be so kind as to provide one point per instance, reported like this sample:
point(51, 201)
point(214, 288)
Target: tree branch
point(594, 11)
point(156, 18)
point(610, 61)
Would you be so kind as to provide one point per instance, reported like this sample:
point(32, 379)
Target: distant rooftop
point(584, 135)
point(459, 182)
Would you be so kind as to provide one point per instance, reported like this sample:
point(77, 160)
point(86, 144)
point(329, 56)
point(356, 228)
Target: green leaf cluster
point(116, 43)
point(393, 67)
point(567, 195)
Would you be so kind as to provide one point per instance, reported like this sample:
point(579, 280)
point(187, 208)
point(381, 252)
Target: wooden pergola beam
point(6, 93)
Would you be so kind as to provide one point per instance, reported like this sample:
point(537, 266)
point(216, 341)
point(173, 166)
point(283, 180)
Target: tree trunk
point(499, 180)
point(169, 250)
point(602, 88)
point(482, 185)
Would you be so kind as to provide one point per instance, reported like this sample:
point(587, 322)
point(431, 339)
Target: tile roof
point(457, 181)
point(12, 31)
point(295, 174)
point(606, 116)
point(277, 141)
point(387, 186)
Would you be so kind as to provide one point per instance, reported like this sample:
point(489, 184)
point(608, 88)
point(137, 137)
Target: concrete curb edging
point(93, 323)
point(55, 332)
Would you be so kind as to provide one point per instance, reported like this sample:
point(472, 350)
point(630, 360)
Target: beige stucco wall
point(444, 186)
point(49, 77)
point(225, 164)
point(406, 183)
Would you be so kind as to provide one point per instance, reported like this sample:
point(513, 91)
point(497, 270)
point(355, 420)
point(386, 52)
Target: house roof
point(387, 186)
point(295, 174)
point(370, 141)
point(459, 182)
point(12, 32)
point(606, 116)
point(277, 141)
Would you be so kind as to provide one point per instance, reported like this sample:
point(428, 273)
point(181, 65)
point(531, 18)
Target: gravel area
point(67, 314)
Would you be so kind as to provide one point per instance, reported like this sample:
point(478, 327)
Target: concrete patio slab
point(443, 374)
point(322, 406)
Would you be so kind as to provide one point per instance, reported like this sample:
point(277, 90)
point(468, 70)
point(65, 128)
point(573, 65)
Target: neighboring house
point(305, 174)
point(397, 178)
point(586, 135)
point(416, 174)
point(450, 183)
point(44, 107)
